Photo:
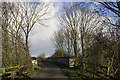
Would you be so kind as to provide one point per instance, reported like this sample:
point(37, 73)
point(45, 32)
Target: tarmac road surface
point(51, 72)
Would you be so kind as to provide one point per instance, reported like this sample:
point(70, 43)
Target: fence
point(9, 72)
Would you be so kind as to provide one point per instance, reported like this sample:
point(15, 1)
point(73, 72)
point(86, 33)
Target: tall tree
point(4, 25)
point(29, 15)
point(81, 23)
point(58, 40)
point(115, 8)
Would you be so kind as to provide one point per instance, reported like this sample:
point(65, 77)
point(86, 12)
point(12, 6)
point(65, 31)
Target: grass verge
point(72, 74)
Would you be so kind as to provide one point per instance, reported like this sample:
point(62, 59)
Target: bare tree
point(68, 40)
point(70, 20)
point(81, 24)
point(115, 8)
point(58, 40)
point(28, 15)
point(4, 26)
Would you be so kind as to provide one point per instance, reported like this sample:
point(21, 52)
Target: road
point(51, 72)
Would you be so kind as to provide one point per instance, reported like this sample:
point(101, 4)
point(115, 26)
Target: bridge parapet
point(68, 61)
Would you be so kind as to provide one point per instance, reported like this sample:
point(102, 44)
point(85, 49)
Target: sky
point(40, 36)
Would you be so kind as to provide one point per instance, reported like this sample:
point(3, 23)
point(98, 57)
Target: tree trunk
point(27, 52)
point(76, 52)
point(83, 53)
point(118, 72)
point(75, 48)
point(5, 35)
point(68, 47)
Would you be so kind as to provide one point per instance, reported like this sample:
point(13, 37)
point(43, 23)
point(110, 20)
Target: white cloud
point(40, 35)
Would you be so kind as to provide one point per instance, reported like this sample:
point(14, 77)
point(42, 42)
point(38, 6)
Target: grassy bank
point(37, 69)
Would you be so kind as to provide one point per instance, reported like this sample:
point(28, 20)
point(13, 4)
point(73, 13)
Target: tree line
point(17, 21)
point(91, 37)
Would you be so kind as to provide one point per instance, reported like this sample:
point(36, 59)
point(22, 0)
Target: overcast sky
point(40, 35)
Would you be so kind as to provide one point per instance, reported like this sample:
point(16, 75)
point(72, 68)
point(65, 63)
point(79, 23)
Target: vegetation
point(41, 58)
point(89, 32)
point(92, 38)
point(18, 19)
point(59, 53)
